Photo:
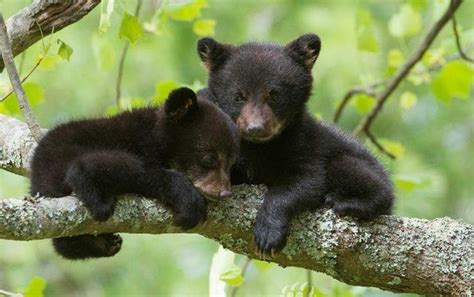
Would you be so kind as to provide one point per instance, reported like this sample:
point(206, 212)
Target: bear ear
point(180, 103)
point(305, 49)
point(212, 53)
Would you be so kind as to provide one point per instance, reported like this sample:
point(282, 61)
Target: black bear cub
point(304, 162)
point(173, 153)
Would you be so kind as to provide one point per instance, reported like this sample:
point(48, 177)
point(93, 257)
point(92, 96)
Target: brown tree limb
point(392, 253)
point(366, 121)
point(7, 56)
point(23, 27)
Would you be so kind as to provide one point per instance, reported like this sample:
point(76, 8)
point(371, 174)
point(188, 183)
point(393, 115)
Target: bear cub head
point(200, 141)
point(262, 86)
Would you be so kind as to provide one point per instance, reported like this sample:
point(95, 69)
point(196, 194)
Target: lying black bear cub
point(304, 162)
point(174, 153)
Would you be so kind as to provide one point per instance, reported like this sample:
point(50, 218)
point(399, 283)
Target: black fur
point(308, 163)
point(154, 152)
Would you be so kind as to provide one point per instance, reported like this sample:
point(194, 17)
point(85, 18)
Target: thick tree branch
point(49, 15)
point(392, 253)
point(365, 123)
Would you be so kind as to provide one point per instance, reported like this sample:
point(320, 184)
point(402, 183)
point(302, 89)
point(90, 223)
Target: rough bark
point(43, 17)
point(392, 253)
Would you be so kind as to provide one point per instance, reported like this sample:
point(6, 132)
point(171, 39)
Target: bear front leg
point(281, 203)
point(99, 177)
point(177, 192)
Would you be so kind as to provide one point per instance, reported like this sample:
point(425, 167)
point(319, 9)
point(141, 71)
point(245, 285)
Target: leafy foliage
point(35, 287)
point(130, 28)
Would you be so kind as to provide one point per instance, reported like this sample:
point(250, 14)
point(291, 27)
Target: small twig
point(16, 83)
point(458, 41)
point(118, 85)
point(24, 78)
point(5, 293)
point(352, 93)
point(365, 123)
point(378, 144)
point(246, 264)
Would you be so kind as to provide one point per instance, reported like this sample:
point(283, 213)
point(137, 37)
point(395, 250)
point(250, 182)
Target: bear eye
point(239, 98)
point(274, 98)
point(209, 162)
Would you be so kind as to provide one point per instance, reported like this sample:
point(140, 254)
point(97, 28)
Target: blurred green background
point(428, 122)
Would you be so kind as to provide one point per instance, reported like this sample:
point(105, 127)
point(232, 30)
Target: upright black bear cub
point(304, 162)
point(174, 153)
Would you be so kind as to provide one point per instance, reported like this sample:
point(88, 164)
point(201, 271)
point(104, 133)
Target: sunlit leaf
point(104, 53)
point(130, 28)
point(33, 92)
point(232, 276)
point(112, 110)
point(187, 11)
point(454, 80)
point(35, 287)
point(363, 103)
point(395, 148)
point(105, 15)
point(409, 183)
point(433, 57)
point(49, 62)
point(408, 100)
point(407, 22)
point(366, 40)
point(262, 265)
point(204, 27)
point(395, 58)
point(64, 50)
point(221, 261)
point(418, 4)
point(163, 89)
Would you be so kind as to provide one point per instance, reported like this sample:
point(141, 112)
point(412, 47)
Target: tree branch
point(23, 103)
point(365, 123)
point(458, 41)
point(24, 27)
point(392, 253)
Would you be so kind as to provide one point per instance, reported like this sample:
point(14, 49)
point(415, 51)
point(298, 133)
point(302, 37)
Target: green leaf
point(433, 57)
point(395, 148)
point(363, 103)
point(64, 50)
point(49, 62)
point(418, 4)
point(408, 100)
point(232, 276)
point(366, 40)
point(105, 15)
point(104, 53)
point(187, 11)
point(130, 28)
point(163, 89)
point(407, 22)
point(454, 80)
point(262, 265)
point(35, 287)
point(205, 27)
point(408, 183)
point(112, 110)
point(34, 93)
point(395, 58)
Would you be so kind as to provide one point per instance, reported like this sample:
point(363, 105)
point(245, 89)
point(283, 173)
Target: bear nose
point(224, 193)
point(255, 129)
